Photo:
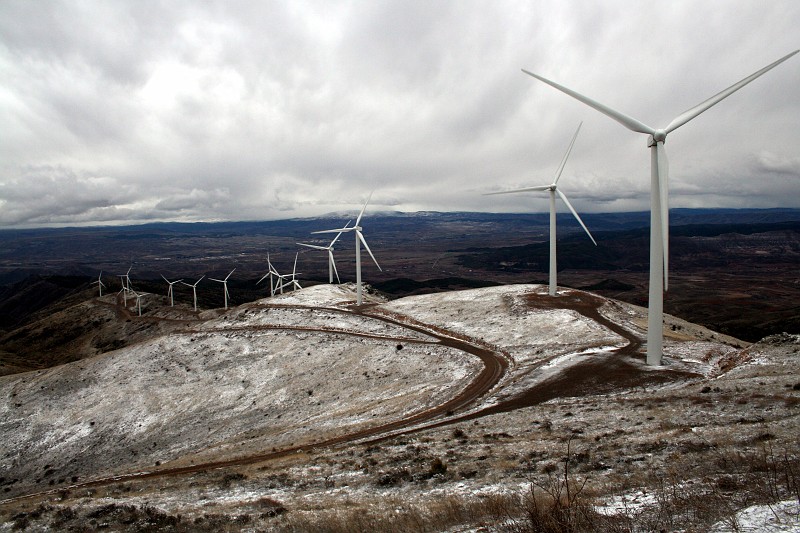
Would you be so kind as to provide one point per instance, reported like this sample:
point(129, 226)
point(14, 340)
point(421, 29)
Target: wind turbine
point(659, 194)
point(271, 271)
point(225, 286)
point(293, 281)
point(359, 241)
point(194, 289)
point(169, 292)
point(100, 283)
point(125, 279)
point(331, 263)
point(553, 188)
point(139, 300)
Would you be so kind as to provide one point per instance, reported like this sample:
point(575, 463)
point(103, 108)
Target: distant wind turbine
point(270, 272)
point(659, 194)
point(331, 263)
point(293, 280)
point(225, 286)
point(169, 291)
point(553, 188)
point(359, 241)
point(139, 296)
point(194, 289)
point(100, 283)
point(125, 279)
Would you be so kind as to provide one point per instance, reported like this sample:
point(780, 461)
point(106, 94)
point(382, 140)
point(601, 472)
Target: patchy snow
point(221, 391)
point(501, 317)
point(776, 518)
point(305, 367)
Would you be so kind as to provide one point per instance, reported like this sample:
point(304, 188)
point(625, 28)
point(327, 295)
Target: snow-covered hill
point(306, 372)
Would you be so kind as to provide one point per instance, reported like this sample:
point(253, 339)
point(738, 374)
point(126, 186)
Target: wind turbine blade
point(339, 235)
point(663, 185)
point(337, 230)
point(229, 275)
point(314, 246)
point(165, 279)
point(525, 189)
point(575, 214)
point(215, 279)
point(333, 264)
point(366, 246)
point(294, 268)
point(625, 120)
point(364, 208)
point(566, 156)
point(689, 114)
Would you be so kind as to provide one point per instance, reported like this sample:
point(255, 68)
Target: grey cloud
point(229, 110)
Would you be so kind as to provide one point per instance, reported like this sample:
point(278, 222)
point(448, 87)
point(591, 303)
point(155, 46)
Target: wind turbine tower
point(270, 272)
point(125, 280)
point(169, 291)
point(194, 289)
point(659, 194)
point(99, 283)
point(331, 263)
point(225, 286)
point(293, 281)
point(359, 241)
point(553, 188)
point(139, 300)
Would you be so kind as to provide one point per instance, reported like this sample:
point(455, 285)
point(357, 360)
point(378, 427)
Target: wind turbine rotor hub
point(659, 136)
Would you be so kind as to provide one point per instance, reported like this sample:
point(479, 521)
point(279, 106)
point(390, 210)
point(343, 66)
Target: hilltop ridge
point(308, 374)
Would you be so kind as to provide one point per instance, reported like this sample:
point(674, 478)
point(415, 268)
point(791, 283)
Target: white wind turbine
point(359, 241)
point(270, 272)
point(139, 300)
point(100, 283)
point(292, 281)
point(659, 191)
point(169, 292)
point(194, 289)
point(225, 286)
point(553, 188)
point(331, 263)
point(125, 279)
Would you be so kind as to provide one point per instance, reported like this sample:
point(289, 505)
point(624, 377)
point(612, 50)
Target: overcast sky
point(135, 111)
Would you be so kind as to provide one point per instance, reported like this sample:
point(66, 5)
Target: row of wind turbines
point(277, 281)
point(659, 216)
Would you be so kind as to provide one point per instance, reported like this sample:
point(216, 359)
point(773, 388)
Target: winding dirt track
point(597, 374)
point(495, 365)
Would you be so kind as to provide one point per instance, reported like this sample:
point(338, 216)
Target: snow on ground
point(501, 317)
point(216, 393)
point(776, 518)
point(323, 295)
point(280, 315)
point(237, 386)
